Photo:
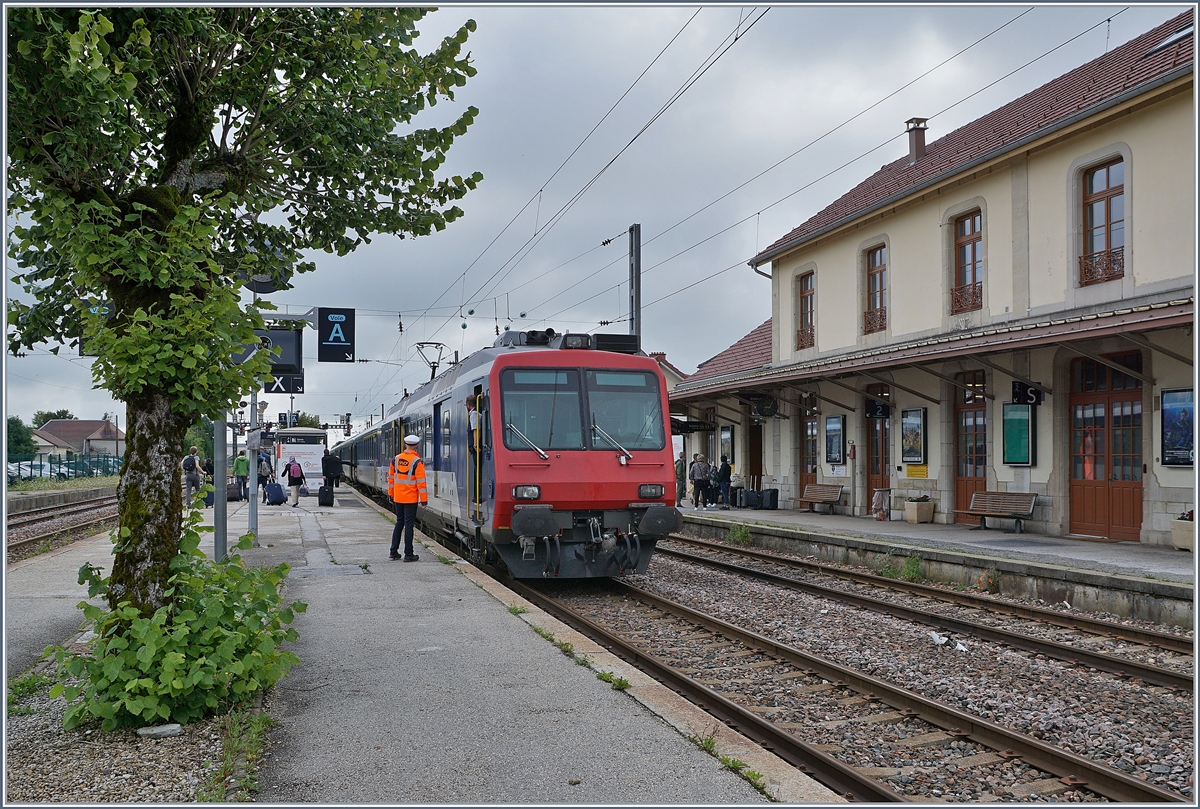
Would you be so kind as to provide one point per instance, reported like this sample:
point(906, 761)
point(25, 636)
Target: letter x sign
point(286, 383)
point(335, 335)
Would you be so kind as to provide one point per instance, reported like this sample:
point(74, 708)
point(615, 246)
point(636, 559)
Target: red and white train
point(565, 467)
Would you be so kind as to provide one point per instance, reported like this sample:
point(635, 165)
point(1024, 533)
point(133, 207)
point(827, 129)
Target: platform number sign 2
point(335, 335)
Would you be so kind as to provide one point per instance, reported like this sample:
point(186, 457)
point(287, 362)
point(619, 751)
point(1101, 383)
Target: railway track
point(860, 735)
point(1017, 635)
point(36, 515)
point(56, 521)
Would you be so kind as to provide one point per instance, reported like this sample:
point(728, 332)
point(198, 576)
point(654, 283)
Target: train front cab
point(584, 477)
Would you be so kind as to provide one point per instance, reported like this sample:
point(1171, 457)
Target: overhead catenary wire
point(827, 174)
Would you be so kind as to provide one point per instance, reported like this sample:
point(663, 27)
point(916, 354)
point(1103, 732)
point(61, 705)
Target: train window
point(446, 431)
point(628, 407)
point(544, 404)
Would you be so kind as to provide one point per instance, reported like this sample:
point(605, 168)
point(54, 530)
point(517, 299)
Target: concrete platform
point(418, 684)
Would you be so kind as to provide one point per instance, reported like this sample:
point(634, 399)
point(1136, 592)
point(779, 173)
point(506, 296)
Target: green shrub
point(739, 535)
point(912, 570)
point(213, 647)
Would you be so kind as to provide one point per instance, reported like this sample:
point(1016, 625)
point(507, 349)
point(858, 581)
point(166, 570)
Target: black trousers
point(406, 518)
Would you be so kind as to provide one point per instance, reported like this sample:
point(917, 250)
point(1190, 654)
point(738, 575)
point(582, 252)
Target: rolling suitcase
point(753, 500)
point(275, 495)
point(741, 498)
point(209, 499)
point(770, 498)
point(233, 489)
point(325, 496)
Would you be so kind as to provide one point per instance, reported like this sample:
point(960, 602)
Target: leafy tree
point(42, 416)
point(308, 420)
point(20, 437)
point(199, 435)
point(161, 157)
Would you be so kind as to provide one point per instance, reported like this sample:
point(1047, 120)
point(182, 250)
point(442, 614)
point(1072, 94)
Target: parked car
point(31, 470)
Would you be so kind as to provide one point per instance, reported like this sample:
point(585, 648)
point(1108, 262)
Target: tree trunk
point(150, 503)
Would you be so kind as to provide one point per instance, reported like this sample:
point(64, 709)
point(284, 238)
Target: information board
point(1020, 434)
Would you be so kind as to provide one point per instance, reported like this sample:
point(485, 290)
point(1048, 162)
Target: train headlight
point(649, 491)
point(528, 492)
point(577, 341)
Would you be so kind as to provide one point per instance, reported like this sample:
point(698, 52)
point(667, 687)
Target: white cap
point(412, 440)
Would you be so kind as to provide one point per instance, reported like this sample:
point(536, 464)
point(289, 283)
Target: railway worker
point(191, 473)
point(331, 469)
point(472, 423)
point(406, 484)
point(680, 480)
point(241, 471)
point(295, 478)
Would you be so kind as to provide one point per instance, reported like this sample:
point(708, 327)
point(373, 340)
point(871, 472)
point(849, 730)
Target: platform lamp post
point(254, 443)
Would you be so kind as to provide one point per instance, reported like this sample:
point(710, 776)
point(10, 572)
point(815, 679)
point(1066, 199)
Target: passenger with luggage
point(406, 484)
point(265, 474)
point(698, 474)
point(241, 471)
point(295, 479)
point(192, 473)
point(331, 469)
point(724, 475)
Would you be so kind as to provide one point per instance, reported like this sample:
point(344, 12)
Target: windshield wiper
point(611, 440)
point(525, 438)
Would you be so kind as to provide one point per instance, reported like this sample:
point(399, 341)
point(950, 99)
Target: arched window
point(1103, 256)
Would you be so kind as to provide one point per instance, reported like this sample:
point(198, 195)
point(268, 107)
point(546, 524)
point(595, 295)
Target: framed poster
point(727, 442)
point(1020, 434)
point(1178, 427)
point(912, 435)
point(835, 439)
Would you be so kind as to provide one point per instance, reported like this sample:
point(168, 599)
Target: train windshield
point(627, 406)
point(542, 406)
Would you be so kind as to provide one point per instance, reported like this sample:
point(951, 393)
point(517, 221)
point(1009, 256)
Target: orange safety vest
point(406, 478)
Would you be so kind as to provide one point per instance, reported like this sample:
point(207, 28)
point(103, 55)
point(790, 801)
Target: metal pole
point(220, 503)
point(635, 282)
point(252, 526)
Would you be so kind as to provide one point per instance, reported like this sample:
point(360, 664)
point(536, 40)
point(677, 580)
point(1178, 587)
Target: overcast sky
point(547, 75)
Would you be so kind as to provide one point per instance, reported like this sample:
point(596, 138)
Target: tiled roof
point(73, 432)
point(51, 439)
point(751, 352)
point(1101, 80)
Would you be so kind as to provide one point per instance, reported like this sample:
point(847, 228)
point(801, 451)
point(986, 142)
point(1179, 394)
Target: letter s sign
point(1025, 394)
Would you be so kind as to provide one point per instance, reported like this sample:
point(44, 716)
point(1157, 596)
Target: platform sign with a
point(335, 335)
point(285, 383)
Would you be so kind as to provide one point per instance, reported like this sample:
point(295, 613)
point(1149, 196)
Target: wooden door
point(879, 443)
point(808, 452)
point(970, 442)
point(754, 456)
point(1106, 450)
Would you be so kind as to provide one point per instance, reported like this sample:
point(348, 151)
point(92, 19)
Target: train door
point(479, 455)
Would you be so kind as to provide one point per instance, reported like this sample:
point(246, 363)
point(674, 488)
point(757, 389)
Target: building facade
point(1008, 308)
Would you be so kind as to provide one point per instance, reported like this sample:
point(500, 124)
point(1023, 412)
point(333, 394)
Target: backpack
point(264, 468)
point(189, 463)
point(295, 471)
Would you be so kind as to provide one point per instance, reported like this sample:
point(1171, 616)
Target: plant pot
point(1183, 534)
point(918, 512)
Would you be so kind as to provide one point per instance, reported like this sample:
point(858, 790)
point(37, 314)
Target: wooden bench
point(1002, 505)
point(828, 493)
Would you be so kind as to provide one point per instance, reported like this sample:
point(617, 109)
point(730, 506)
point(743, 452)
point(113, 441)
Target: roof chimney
point(916, 139)
point(660, 356)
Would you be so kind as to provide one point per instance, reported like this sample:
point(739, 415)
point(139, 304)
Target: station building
point(1007, 308)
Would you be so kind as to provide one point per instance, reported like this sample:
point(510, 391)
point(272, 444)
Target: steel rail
point(1074, 769)
point(1053, 649)
point(34, 515)
point(1149, 637)
point(833, 773)
point(14, 544)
